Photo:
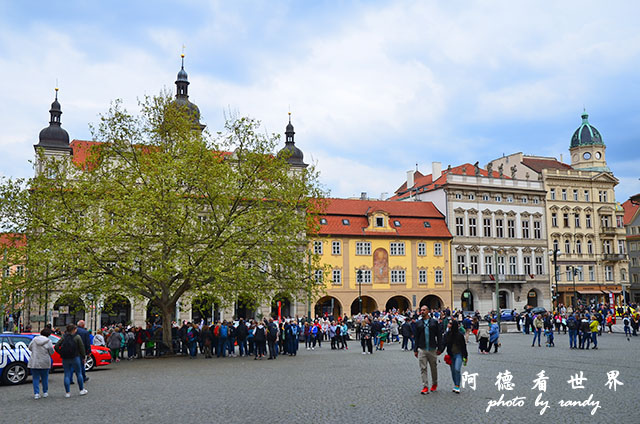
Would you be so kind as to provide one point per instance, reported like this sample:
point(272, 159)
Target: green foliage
point(159, 209)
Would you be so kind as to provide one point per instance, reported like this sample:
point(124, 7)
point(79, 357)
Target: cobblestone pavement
point(325, 386)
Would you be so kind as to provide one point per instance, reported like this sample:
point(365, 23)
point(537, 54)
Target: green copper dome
point(586, 134)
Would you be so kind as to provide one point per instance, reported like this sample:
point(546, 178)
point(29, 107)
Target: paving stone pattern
point(325, 386)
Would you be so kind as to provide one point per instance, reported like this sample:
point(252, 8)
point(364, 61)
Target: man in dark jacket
point(241, 335)
point(272, 336)
point(86, 341)
point(428, 346)
point(407, 334)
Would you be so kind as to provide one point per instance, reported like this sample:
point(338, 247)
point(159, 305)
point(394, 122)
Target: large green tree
point(159, 209)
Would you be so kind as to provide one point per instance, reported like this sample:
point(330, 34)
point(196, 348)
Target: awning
point(613, 291)
point(590, 292)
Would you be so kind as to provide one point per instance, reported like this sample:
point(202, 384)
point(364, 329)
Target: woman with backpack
point(71, 349)
point(457, 351)
point(40, 362)
point(192, 340)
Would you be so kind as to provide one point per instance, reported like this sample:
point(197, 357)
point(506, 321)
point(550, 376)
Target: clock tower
point(587, 148)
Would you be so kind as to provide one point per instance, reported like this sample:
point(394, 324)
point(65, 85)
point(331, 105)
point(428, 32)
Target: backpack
point(216, 331)
point(68, 348)
point(294, 330)
point(191, 335)
point(224, 331)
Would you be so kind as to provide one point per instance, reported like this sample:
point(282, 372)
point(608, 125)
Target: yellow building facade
point(380, 255)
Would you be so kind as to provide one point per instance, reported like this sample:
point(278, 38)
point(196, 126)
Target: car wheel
point(15, 373)
point(90, 363)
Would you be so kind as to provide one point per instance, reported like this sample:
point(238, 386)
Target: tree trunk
point(167, 321)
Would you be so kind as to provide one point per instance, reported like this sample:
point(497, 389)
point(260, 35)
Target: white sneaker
point(308, 348)
point(36, 397)
point(364, 353)
point(67, 395)
point(313, 348)
point(45, 394)
point(83, 392)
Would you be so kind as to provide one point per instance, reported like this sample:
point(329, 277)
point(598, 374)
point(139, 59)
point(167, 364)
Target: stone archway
point(432, 301)
point(116, 309)
point(400, 303)
point(70, 309)
point(533, 298)
point(369, 305)
point(329, 306)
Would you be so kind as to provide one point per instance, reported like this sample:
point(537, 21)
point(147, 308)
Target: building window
point(345, 222)
point(379, 221)
point(579, 247)
point(438, 276)
point(397, 276)
point(498, 198)
point(366, 276)
point(567, 247)
point(486, 225)
point(422, 249)
point(554, 219)
point(590, 247)
point(511, 228)
point(459, 226)
point(577, 220)
point(606, 247)
point(323, 221)
point(460, 262)
point(602, 196)
point(524, 199)
point(569, 273)
point(539, 266)
point(318, 276)
point(509, 199)
point(396, 223)
point(488, 265)
point(586, 195)
point(608, 273)
point(485, 197)
point(536, 201)
point(317, 247)
point(20, 270)
point(396, 248)
point(525, 229)
point(537, 230)
point(501, 266)
point(422, 276)
point(499, 228)
point(473, 264)
point(363, 248)
point(555, 245)
point(336, 247)
point(636, 278)
point(513, 265)
point(437, 249)
point(575, 195)
point(552, 193)
point(564, 194)
point(6, 272)
point(565, 220)
point(619, 222)
point(337, 277)
point(621, 248)
point(458, 196)
point(605, 221)
point(472, 196)
point(473, 229)
point(592, 273)
point(527, 264)
point(587, 220)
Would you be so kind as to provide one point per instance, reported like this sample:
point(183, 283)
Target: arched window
point(578, 247)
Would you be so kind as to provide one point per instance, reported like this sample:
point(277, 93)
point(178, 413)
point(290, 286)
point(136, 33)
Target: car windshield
point(54, 339)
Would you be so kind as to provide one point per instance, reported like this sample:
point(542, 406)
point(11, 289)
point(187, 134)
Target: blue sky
point(374, 87)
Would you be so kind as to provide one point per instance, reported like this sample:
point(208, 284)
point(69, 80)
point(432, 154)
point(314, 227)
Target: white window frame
point(336, 277)
point(438, 276)
point(363, 248)
point(437, 249)
point(336, 247)
point(317, 247)
point(398, 276)
point(396, 248)
point(422, 276)
point(422, 249)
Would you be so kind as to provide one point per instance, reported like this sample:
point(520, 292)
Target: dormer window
point(427, 224)
point(345, 222)
point(323, 221)
point(396, 223)
point(379, 221)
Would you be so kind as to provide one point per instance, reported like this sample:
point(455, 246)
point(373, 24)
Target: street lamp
point(498, 317)
point(467, 293)
point(359, 279)
point(554, 293)
point(574, 271)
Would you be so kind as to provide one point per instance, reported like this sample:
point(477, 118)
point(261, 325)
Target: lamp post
point(554, 293)
point(467, 293)
point(574, 271)
point(497, 287)
point(359, 278)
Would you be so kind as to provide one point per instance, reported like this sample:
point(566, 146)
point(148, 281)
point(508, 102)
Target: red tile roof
point(411, 216)
point(539, 164)
point(426, 183)
point(13, 240)
point(630, 210)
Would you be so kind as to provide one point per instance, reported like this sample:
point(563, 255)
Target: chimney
point(436, 170)
point(363, 195)
point(561, 157)
point(410, 181)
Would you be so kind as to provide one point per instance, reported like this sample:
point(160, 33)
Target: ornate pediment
point(537, 215)
point(588, 209)
point(459, 210)
point(526, 250)
point(499, 212)
point(539, 250)
point(472, 211)
point(577, 209)
point(511, 213)
point(566, 209)
point(525, 214)
point(512, 250)
point(487, 249)
point(553, 208)
point(460, 248)
point(486, 212)
point(474, 249)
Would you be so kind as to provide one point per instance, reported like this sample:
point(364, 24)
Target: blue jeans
point(594, 339)
point(456, 365)
point(71, 366)
point(40, 375)
point(573, 338)
point(193, 348)
point(536, 335)
point(242, 347)
point(222, 347)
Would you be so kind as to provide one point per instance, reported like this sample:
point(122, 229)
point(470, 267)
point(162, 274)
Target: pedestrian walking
point(366, 336)
point(40, 362)
point(537, 330)
point(71, 350)
point(427, 348)
point(457, 352)
point(260, 338)
point(494, 336)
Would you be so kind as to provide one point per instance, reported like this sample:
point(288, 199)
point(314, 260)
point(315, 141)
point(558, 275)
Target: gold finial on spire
point(56, 88)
